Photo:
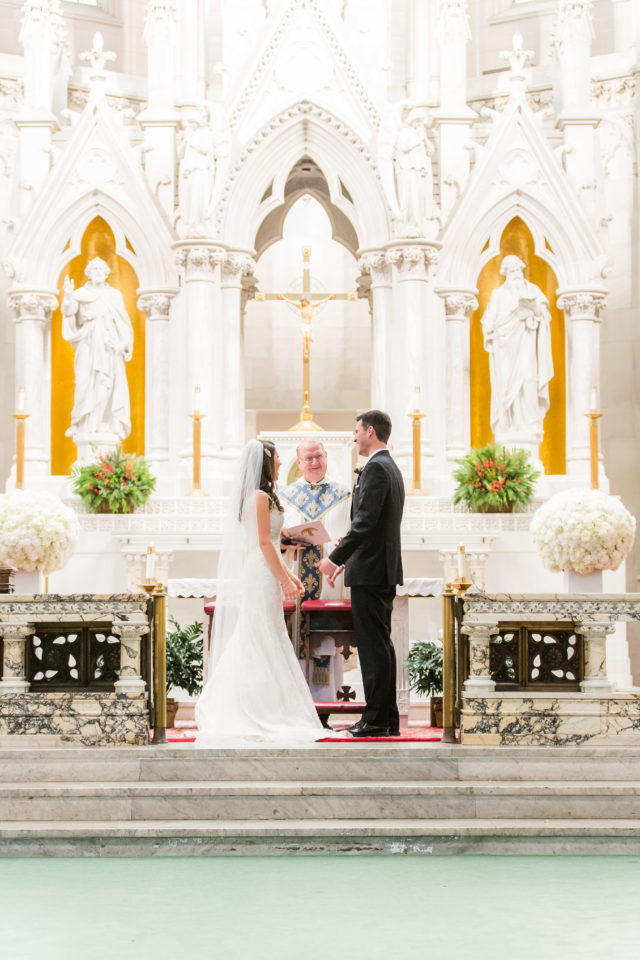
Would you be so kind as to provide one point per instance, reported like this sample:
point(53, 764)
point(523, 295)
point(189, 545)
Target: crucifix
point(306, 303)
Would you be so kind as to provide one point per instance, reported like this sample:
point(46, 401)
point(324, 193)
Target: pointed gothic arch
point(256, 185)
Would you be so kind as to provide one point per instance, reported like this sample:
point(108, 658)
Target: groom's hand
point(330, 570)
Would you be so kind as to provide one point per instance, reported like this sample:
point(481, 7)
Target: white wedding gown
point(257, 690)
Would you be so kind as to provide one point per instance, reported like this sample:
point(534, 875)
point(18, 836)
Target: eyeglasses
point(318, 457)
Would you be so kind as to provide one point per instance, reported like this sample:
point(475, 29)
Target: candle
point(151, 563)
point(416, 392)
point(21, 400)
point(196, 399)
point(462, 562)
point(594, 399)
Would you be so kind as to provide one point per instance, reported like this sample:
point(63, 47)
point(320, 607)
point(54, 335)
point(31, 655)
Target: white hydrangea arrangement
point(37, 531)
point(583, 531)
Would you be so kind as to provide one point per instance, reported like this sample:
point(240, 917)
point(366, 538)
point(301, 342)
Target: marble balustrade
point(83, 715)
point(597, 713)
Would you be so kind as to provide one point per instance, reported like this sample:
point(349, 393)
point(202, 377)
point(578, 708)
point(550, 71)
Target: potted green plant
point(493, 479)
point(183, 662)
point(424, 664)
point(116, 483)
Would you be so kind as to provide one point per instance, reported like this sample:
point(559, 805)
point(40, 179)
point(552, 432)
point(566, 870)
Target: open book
point(312, 533)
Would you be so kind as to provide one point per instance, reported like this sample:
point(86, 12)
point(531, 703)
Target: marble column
point(458, 305)
point(200, 262)
point(130, 635)
point(400, 639)
point(582, 309)
point(237, 265)
point(411, 363)
point(377, 266)
point(156, 304)
point(479, 682)
point(32, 309)
point(14, 660)
point(595, 657)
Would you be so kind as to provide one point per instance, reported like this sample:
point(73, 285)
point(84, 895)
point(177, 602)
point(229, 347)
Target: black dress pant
point(371, 610)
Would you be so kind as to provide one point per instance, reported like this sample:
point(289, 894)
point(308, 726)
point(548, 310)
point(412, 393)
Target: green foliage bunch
point(494, 478)
point(121, 481)
point(184, 657)
point(424, 664)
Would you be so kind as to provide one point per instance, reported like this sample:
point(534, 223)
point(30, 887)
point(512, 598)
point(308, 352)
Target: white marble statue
point(96, 323)
point(517, 336)
point(197, 175)
point(413, 172)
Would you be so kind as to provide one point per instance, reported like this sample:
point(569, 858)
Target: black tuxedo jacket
point(371, 549)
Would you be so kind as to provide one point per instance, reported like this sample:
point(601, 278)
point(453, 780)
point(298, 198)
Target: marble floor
point(362, 908)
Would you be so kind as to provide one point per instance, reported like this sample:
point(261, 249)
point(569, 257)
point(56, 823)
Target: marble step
point(338, 762)
point(319, 800)
point(361, 836)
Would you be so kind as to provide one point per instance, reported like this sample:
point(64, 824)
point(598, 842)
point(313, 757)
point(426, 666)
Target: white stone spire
point(574, 33)
point(519, 60)
point(97, 57)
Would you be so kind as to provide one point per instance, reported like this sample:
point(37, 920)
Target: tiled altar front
point(530, 712)
point(72, 669)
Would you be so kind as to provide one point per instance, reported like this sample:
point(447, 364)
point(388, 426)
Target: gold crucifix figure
point(306, 306)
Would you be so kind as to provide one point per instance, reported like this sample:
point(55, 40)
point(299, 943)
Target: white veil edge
point(240, 537)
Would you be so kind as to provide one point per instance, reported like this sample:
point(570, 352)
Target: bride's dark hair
point(268, 476)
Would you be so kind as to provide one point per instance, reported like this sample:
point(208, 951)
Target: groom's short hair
point(380, 421)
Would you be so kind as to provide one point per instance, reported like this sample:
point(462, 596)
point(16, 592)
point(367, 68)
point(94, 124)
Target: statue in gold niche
point(517, 335)
point(96, 323)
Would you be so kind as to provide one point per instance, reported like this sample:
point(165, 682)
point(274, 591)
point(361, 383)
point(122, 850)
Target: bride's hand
point(291, 589)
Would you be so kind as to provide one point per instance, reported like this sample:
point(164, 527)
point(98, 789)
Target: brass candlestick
point(593, 417)
point(21, 420)
point(448, 664)
point(158, 595)
point(416, 417)
point(197, 417)
point(452, 592)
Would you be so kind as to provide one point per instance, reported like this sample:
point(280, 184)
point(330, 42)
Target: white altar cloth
point(207, 587)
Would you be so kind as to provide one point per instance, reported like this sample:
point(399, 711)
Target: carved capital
point(235, 266)
point(479, 631)
point(199, 261)
point(582, 304)
point(594, 630)
point(377, 265)
point(12, 632)
point(156, 304)
point(130, 630)
point(458, 304)
point(413, 261)
point(32, 305)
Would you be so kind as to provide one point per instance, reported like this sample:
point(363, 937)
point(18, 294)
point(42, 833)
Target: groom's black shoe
point(395, 733)
point(363, 729)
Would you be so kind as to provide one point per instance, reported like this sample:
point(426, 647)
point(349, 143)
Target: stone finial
point(519, 59)
point(97, 57)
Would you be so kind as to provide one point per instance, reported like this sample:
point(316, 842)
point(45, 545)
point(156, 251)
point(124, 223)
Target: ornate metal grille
point(537, 656)
point(68, 656)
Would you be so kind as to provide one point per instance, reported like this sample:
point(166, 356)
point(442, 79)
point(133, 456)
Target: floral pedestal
point(28, 582)
point(577, 583)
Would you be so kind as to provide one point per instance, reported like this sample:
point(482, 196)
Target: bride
point(255, 690)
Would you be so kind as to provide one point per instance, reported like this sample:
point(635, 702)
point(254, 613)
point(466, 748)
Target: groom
point(370, 553)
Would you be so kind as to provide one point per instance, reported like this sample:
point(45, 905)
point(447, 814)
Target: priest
point(315, 497)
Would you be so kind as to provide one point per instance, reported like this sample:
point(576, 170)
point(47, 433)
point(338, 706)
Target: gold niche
point(98, 241)
point(517, 238)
